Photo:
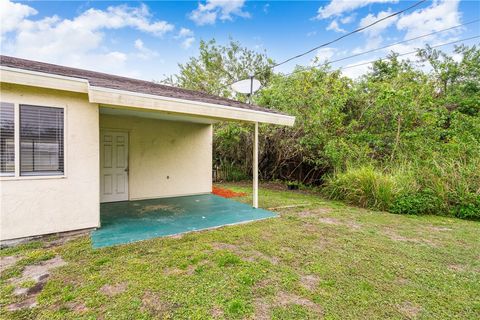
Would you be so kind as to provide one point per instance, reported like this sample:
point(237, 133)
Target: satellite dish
point(246, 86)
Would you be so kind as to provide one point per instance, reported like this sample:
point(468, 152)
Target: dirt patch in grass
point(155, 305)
point(439, 229)
point(8, 261)
point(217, 312)
point(36, 275)
point(286, 298)
point(322, 215)
point(402, 281)
point(64, 238)
point(329, 221)
point(283, 299)
point(314, 212)
point(393, 235)
point(310, 227)
point(78, 307)
point(246, 254)
point(457, 267)
point(174, 271)
point(23, 304)
point(29, 291)
point(263, 305)
point(409, 309)
point(40, 271)
point(309, 281)
point(262, 309)
point(332, 221)
point(113, 290)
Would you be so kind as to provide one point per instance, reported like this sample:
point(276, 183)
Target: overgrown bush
point(422, 202)
point(400, 138)
point(467, 207)
point(362, 186)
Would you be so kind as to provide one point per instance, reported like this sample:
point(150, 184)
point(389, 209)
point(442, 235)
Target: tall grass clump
point(364, 186)
point(448, 187)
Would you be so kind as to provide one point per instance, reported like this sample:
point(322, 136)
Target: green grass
point(320, 259)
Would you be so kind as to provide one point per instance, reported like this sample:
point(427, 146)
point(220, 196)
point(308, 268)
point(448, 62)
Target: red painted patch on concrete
point(225, 193)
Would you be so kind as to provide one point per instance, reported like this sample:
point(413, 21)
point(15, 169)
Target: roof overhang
point(134, 100)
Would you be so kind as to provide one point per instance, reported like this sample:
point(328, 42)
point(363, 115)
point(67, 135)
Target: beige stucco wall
point(34, 206)
point(181, 151)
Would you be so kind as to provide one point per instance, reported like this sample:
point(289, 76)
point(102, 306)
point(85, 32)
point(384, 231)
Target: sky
point(148, 39)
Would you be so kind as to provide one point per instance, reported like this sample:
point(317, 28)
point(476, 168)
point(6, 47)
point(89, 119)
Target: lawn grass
point(321, 259)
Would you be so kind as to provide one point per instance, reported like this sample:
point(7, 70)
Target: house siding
point(166, 158)
point(35, 205)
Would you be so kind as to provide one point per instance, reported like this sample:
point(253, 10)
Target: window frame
point(34, 103)
point(10, 174)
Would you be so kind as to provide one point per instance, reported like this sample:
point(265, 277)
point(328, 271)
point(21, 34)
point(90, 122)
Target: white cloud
point(187, 43)
point(357, 71)
point(373, 34)
point(184, 32)
point(377, 29)
point(12, 14)
point(212, 10)
point(323, 54)
point(188, 38)
point(139, 44)
point(338, 7)
point(440, 15)
point(348, 19)
point(335, 27)
point(78, 41)
point(143, 52)
point(266, 8)
point(311, 33)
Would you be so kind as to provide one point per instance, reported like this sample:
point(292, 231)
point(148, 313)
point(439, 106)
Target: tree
point(217, 66)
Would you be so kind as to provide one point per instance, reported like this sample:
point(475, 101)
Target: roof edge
point(133, 99)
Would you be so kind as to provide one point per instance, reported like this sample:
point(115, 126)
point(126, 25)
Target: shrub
point(231, 172)
point(467, 207)
point(363, 186)
point(422, 202)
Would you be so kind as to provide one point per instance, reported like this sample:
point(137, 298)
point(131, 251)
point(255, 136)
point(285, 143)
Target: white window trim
point(17, 175)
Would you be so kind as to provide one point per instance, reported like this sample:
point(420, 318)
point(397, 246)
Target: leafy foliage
point(400, 138)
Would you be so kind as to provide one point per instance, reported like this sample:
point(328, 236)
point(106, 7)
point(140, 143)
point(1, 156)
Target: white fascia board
point(42, 80)
point(114, 97)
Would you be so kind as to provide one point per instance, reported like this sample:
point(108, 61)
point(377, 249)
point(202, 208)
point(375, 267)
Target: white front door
point(113, 166)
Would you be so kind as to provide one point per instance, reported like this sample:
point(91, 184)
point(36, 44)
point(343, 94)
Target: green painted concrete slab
point(130, 221)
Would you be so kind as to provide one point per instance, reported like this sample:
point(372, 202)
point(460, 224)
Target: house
point(71, 139)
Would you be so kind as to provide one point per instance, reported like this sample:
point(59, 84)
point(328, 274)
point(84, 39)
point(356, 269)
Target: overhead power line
point(380, 48)
point(335, 40)
point(347, 34)
point(407, 53)
point(384, 58)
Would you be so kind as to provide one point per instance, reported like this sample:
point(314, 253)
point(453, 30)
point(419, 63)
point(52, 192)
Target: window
point(41, 141)
point(7, 139)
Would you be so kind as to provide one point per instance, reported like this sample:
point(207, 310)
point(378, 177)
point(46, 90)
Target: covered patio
point(130, 221)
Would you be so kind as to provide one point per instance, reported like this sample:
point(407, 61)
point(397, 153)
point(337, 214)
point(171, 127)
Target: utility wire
point(348, 34)
point(380, 48)
point(384, 58)
point(407, 53)
point(334, 40)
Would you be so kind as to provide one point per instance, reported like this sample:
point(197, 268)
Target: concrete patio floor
point(130, 221)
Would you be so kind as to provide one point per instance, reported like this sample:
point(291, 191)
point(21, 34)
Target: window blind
point(41, 140)
point(7, 142)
